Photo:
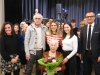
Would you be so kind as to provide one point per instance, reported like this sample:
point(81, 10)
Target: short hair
point(23, 22)
point(73, 21)
point(91, 12)
point(79, 29)
point(54, 41)
point(50, 18)
point(36, 15)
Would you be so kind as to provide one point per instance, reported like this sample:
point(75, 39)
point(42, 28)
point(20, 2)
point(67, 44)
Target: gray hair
point(36, 15)
point(54, 41)
point(36, 9)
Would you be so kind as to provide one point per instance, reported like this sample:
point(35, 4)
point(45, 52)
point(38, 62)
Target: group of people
point(52, 39)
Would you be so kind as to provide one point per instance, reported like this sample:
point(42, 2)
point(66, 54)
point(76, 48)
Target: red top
point(54, 37)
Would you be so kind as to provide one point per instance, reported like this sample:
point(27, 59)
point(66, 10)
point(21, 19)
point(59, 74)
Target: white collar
point(92, 25)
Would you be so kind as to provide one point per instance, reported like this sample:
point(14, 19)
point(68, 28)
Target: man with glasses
point(90, 45)
point(34, 43)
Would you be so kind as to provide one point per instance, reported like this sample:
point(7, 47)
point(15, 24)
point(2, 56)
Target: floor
point(34, 72)
point(22, 73)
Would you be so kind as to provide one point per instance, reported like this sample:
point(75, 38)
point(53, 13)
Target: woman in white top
point(69, 46)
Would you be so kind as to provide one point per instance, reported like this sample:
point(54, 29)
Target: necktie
point(89, 37)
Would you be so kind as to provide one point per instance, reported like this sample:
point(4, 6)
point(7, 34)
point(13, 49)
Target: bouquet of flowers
point(50, 63)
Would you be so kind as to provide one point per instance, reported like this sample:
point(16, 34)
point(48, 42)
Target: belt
point(39, 49)
point(67, 50)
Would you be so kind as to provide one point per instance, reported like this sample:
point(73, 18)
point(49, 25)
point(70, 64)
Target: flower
point(50, 59)
point(50, 63)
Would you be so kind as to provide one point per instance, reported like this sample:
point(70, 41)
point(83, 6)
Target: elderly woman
point(53, 44)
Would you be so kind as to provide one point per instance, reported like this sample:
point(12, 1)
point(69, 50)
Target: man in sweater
point(34, 43)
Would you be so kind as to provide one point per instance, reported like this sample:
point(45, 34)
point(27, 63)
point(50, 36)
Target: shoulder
point(84, 27)
point(2, 38)
point(44, 27)
point(98, 25)
point(45, 53)
point(47, 33)
point(21, 37)
point(58, 53)
point(76, 28)
point(74, 37)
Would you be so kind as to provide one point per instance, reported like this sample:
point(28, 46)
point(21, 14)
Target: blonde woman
point(83, 23)
point(55, 34)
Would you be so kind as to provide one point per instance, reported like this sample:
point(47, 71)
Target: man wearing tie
point(90, 45)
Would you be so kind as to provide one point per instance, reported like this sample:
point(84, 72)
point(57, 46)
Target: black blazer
point(95, 40)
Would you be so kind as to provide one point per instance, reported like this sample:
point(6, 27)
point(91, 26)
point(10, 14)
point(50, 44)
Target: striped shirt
point(53, 37)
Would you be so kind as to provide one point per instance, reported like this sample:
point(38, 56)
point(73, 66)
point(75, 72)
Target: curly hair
point(3, 33)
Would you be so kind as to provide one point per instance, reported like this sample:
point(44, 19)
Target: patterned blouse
point(54, 37)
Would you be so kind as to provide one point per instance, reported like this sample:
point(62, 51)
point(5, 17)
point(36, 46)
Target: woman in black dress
point(10, 49)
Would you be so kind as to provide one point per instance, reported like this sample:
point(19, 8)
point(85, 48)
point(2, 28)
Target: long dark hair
point(71, 31)
point(19, 31)
point(3, 33)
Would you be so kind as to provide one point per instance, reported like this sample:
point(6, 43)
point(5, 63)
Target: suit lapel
point(85, 31)
point(93, 30)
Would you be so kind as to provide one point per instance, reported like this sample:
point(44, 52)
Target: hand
point(17, 57)
point(46, 69)
point(13, 61)
point(80, 56)
point(65, 60)
point(99, 59)
point(57, 69)
point(77, 54)
point(27, 57)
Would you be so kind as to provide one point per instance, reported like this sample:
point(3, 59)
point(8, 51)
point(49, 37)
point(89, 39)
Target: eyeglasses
point(89, 16)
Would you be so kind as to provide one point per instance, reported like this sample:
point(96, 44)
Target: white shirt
point(39, 38)
point(70, 44)
point(92, 26)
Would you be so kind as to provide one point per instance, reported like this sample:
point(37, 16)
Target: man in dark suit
point(90, 45)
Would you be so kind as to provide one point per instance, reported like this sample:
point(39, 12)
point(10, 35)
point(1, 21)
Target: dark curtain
point(13, 11)
point(76, 8)
point(28, 7)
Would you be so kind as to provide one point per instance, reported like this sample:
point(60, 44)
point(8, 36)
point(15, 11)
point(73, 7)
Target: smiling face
point(67, 28)
point(53, 27)
point(53, 45)
point(8, 29)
